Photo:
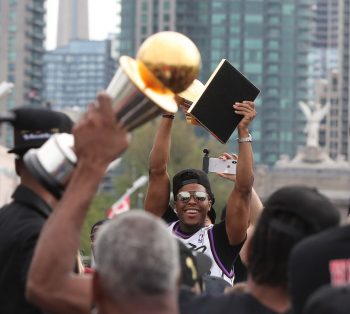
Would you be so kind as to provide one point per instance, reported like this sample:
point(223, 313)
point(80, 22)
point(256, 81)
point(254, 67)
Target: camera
point(218, 165)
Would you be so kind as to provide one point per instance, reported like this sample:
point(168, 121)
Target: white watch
point(245, 139)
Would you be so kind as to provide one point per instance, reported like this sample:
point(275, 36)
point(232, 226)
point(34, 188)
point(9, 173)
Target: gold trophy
point(166, 64)
point(186, 98)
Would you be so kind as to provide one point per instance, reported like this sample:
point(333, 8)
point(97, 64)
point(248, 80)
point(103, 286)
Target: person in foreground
point(290, 215)
point(136, 259)
point(323, 259)
point(21, 220)
point(329, 300)
point(194, 198)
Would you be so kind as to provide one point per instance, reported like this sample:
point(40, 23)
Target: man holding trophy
point(193, 198)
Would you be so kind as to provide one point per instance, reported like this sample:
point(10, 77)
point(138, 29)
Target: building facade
point(268, 41)
point(72, 21)
point(22, 25)
point(324, 56)
point(344, 80)
point(74, 73)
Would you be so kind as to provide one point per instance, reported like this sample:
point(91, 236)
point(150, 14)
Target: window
point(144, 18)
point(166, 17)
point(219, 18)
point(11, 56)
point(166, 5)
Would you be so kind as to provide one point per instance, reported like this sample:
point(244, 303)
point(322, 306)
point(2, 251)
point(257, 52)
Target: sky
point(99, 27)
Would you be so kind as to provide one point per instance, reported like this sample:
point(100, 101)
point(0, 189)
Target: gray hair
point(136, 255)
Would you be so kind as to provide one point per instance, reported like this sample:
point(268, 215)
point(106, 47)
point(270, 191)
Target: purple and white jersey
point(211, 241)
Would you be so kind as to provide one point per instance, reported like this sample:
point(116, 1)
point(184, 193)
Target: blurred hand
point(228, 156)
point(99, 138)
point(247, 110)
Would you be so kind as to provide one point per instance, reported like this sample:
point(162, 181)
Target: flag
point(120, 206)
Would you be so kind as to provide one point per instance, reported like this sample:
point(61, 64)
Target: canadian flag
point(120, 206)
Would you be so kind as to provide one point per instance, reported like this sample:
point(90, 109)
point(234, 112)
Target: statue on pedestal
point(5, 88)
point(314, 113)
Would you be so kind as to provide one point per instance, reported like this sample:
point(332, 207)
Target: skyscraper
point(324, 56)
point(268, 41)
point(75, 72)
point(21, 54)
point(342, 134)
point(72, 21)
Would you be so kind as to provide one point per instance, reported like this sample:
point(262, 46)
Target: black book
point(213, 109)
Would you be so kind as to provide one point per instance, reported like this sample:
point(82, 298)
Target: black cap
point(193, 265)
point(34, 126)
point(189, 176)
point(307, 203)
point(329, 300)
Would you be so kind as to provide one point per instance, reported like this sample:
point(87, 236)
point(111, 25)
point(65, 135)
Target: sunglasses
point(185, 196)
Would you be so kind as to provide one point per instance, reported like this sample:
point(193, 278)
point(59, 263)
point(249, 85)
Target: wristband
point(245, 139)
point(168, 116)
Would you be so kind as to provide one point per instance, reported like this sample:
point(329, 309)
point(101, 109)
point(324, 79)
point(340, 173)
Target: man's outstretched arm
point(51, 284)
point(158, 192)
point(239, 201)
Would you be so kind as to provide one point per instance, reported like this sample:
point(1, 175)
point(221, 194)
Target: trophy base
point(38, 172)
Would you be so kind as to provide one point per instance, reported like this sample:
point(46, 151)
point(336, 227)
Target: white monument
point(311, 166)
point(314, 114)
point(5, 89)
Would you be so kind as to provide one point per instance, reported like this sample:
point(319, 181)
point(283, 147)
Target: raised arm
point(51, 283)
point(239, 201)
point(158, 192)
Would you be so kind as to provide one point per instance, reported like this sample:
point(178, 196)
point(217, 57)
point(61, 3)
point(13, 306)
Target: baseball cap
point(193, 265)
point(34, 126)
point(328, 299)
point(190, 175)
point(307, 203)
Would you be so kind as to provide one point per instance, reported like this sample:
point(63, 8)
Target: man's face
point(192, 210)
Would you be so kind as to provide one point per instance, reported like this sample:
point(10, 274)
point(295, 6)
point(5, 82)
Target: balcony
point(35, 35)
point(36, 22)
point(35, 48)
point(34, 61)
point(36, 8)
point(34, 73)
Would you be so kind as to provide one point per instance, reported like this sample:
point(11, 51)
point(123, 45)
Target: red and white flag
point(123, 204)
point(120, 206)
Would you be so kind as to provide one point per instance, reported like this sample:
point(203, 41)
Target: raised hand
point(247, 110)
point(99, 138)
point(228, 156)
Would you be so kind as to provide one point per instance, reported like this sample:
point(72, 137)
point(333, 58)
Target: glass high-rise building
point(343, 127)
point(75, 72)
point(22, 25)
point(324, 56)
point(267, 40)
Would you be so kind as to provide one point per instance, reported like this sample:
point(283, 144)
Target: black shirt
point(319, 260)
point(240, 303)
point(20, 224)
